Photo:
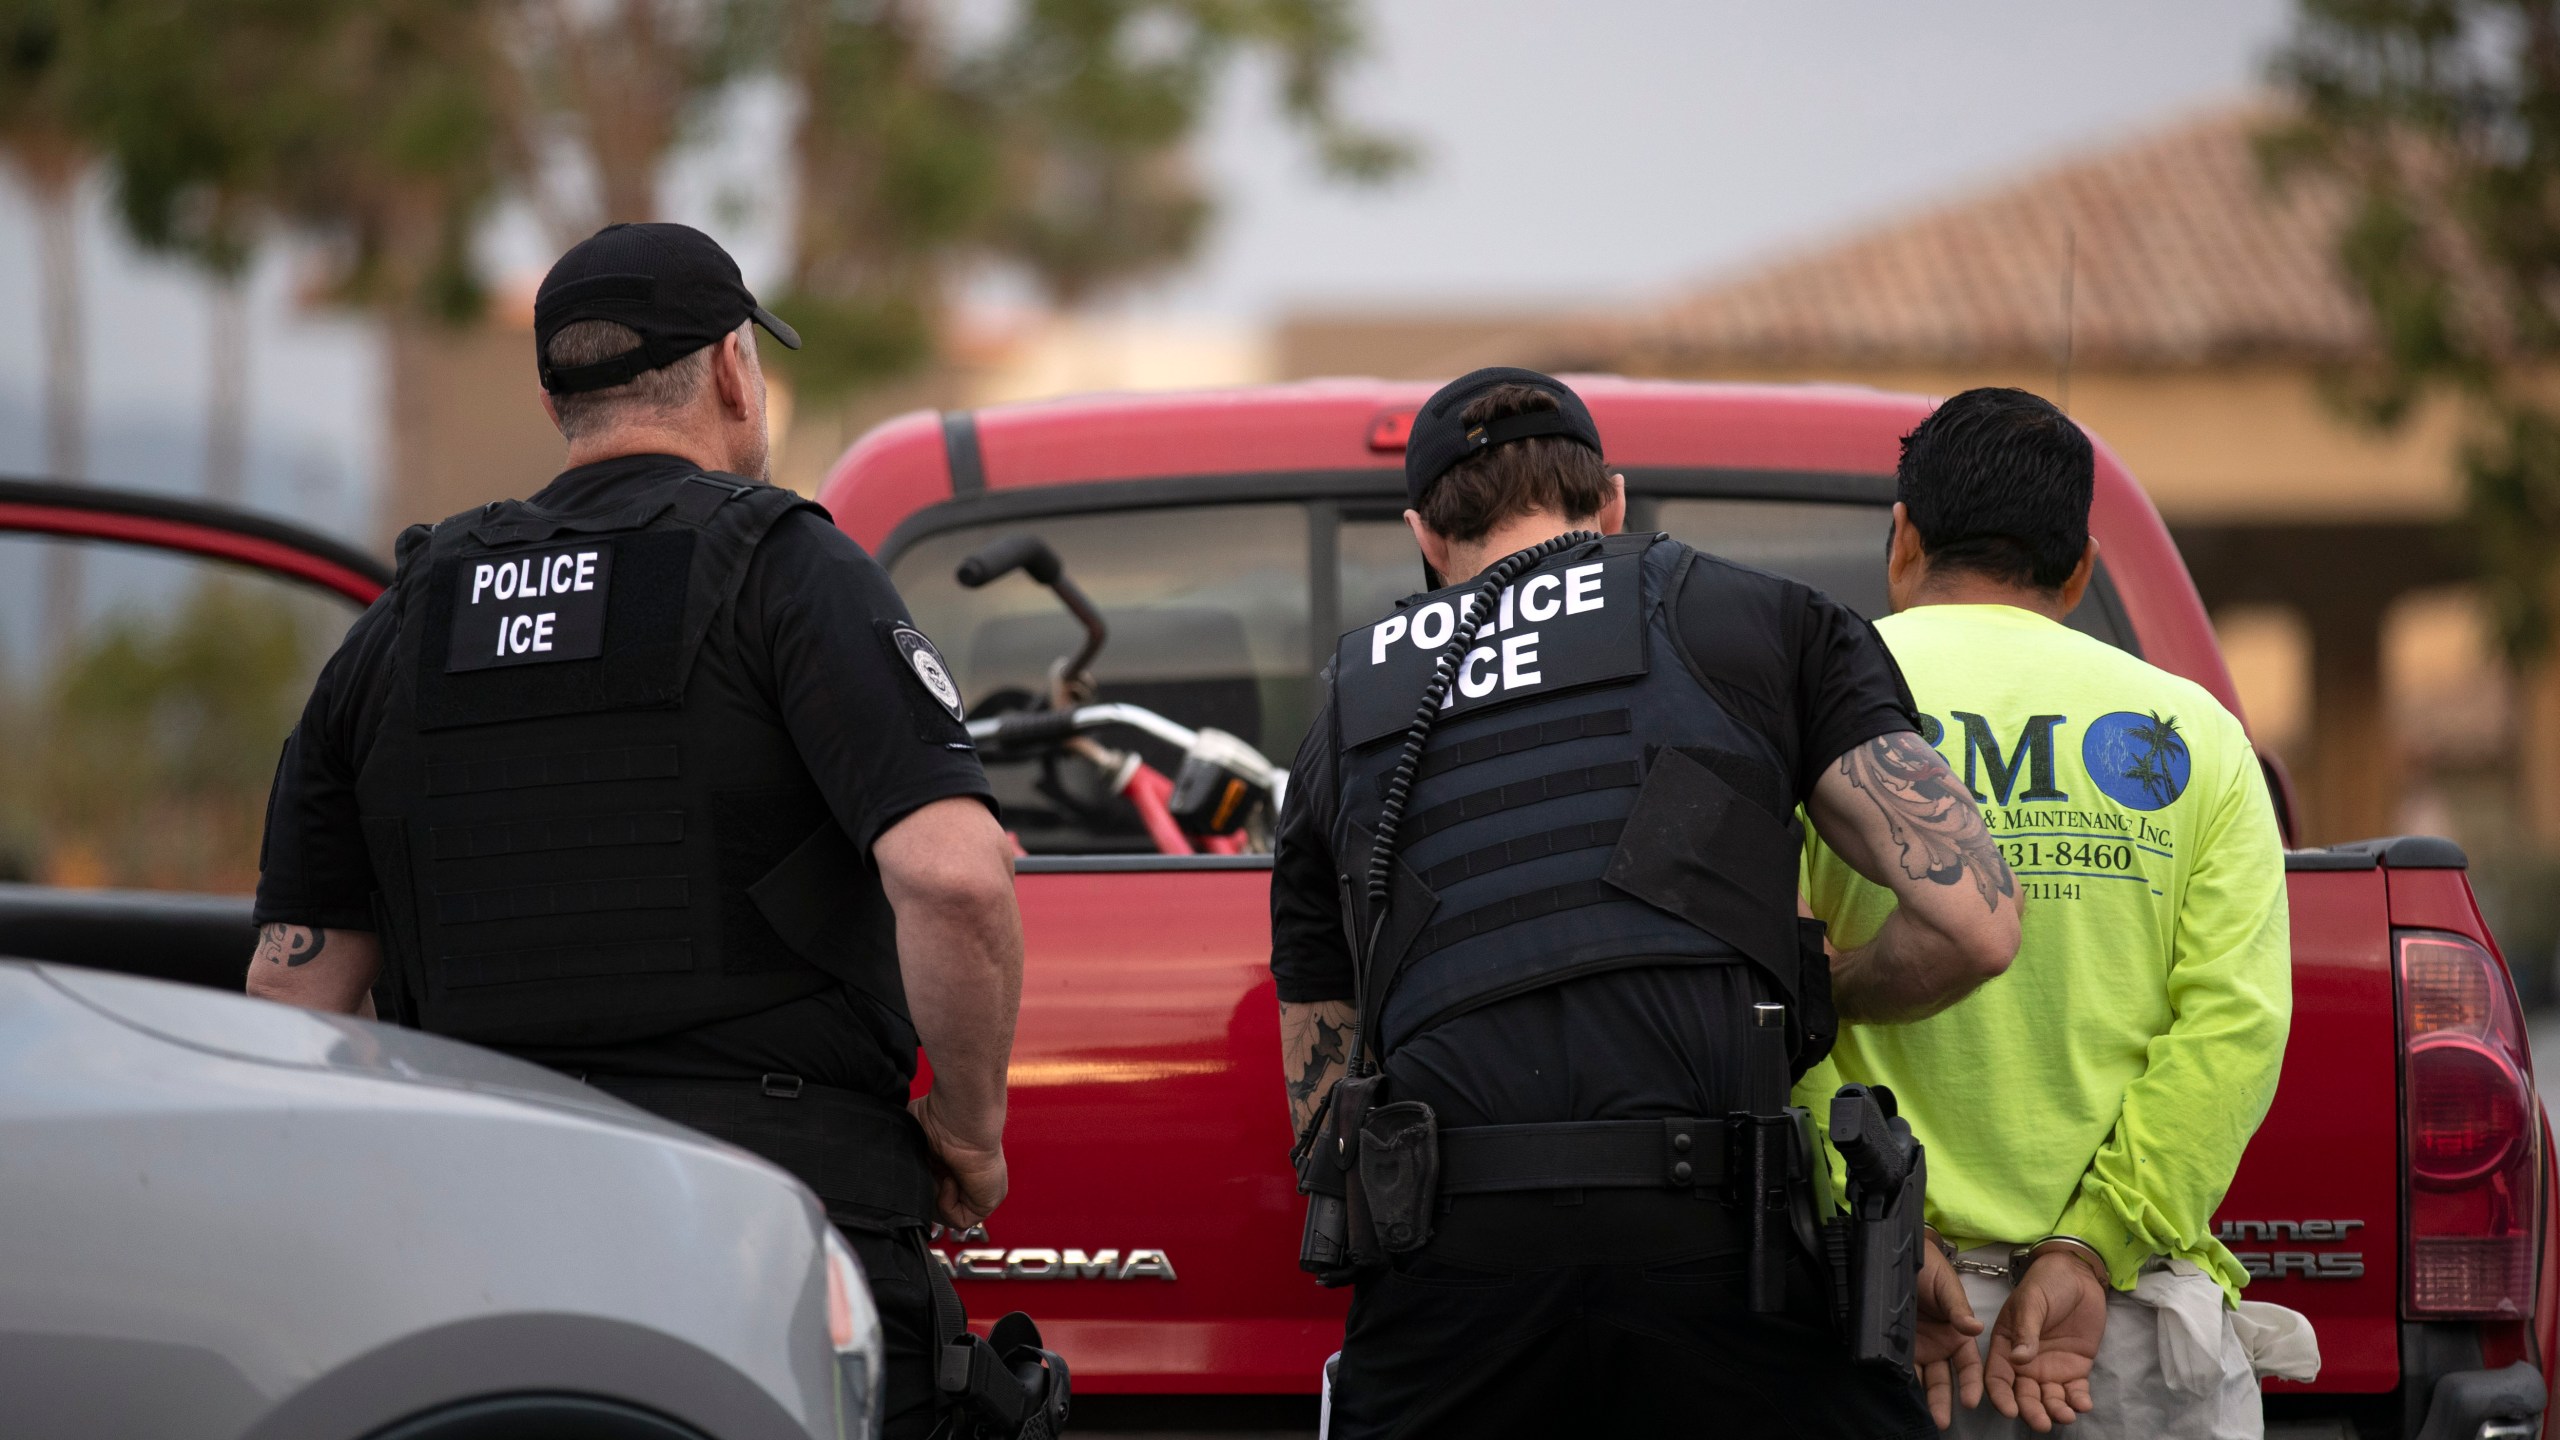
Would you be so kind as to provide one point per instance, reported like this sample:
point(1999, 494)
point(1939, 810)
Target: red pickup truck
point(2399, 1193)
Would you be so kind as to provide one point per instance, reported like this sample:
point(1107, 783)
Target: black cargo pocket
point(1698, 848)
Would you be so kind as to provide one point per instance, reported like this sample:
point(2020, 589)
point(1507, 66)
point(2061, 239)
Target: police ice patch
point(530, 608)
point(926, 664)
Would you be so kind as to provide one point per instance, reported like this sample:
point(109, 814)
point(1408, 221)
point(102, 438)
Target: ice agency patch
point(926, 664)
point(2138, 761)
point(531, 608)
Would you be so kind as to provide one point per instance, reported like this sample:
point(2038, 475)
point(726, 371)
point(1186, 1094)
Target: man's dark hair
point(1542, 472)
point(1998, 482)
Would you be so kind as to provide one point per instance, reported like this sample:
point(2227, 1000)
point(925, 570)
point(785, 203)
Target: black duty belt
point(851, 1148)
point(1681, 1154)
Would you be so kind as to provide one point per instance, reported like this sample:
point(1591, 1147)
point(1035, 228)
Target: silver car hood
point(262, 1032)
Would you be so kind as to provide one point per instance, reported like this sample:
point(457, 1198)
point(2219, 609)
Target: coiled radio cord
point(1473, 608)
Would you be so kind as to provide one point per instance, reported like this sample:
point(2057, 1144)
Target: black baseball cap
point(671, 283)
point(1441, 439)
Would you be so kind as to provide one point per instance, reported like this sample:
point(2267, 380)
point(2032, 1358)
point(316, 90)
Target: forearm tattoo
point(1315, 1043)
point(290, 945)
point(1932, 818)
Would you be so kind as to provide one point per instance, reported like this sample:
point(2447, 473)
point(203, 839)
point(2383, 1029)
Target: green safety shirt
point(2106, 1085)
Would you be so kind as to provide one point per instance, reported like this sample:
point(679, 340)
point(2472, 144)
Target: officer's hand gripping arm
point(948, 873)
point(1893, 810)
point(317, 969)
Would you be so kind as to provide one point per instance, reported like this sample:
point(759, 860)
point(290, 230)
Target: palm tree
point(2162, 746)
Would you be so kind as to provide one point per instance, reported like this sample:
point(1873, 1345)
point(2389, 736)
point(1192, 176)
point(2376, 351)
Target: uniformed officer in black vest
point(1581, 950)
point(649, 779)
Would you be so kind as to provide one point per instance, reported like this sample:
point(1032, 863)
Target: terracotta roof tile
point(2182, 254)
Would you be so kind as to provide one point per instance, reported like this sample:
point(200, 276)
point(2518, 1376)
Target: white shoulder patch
point(926, 664)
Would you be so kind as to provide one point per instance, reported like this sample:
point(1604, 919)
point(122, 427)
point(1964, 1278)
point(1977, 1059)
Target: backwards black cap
point(671, 283)
point(1441, 439)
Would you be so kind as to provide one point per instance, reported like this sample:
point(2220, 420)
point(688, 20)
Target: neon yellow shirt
point(2106, 1085)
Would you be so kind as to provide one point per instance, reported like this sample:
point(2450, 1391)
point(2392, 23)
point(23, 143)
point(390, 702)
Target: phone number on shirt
point(2066, 855)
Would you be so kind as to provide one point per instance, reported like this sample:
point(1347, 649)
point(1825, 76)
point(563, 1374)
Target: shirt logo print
point(2139, 761)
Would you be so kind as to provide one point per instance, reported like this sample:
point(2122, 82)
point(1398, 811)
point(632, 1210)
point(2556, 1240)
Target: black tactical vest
point(586, 819)
point(1584, 802)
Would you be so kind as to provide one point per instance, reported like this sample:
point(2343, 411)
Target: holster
point(1875, 1246)
point(1371, 1173)
point(1004, 1387)
point(1328, 1175)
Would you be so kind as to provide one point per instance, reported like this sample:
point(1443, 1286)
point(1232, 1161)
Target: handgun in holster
point(1004, 1387)
point(1370, 1172)
point(1874, 1248)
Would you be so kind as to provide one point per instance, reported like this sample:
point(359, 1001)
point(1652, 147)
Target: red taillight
point(1390, 429)
point(2466, 1112)
point(2468, 1132)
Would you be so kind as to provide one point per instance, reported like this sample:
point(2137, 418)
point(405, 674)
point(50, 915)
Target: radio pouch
point(1400, 1173)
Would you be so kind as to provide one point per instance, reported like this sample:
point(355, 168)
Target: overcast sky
point(1592, 151)
point(1613, 147)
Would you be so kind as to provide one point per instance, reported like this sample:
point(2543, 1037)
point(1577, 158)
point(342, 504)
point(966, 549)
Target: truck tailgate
point(2315, 1210)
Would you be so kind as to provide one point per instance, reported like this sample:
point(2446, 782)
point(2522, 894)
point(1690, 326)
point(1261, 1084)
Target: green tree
point(1056, 142)
point(2441, 120)
point(1057, 145)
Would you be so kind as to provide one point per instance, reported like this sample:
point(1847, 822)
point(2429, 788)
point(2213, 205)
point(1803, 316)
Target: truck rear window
point(1220, 615)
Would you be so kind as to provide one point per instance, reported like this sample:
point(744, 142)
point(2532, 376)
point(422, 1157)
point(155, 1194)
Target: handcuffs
point(2021, 1257)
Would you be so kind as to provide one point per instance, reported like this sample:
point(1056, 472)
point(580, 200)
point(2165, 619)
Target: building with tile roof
point(2190, 311)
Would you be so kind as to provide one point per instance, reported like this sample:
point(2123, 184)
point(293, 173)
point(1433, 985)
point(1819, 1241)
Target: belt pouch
point(1354, 1096)
point(1400, 1173)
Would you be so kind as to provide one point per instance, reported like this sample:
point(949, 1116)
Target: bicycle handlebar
point(1032, 555)
point(1041, 727)
point(1021, 552)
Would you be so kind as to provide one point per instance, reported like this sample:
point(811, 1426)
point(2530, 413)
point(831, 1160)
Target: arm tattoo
point(1315, 1043)
point(1327, 1051)
point(1931, 817)
point(291, 945)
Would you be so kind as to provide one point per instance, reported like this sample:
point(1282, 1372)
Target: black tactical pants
point(1487, 1336)
point(900, 1290)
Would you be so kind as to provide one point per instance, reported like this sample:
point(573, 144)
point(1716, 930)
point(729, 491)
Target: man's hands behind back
point(2046, 1341)
point(1946, 1358)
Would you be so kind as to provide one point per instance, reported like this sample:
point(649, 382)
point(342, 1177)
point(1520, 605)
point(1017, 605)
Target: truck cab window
point(136, 750)
point(1208, 616)
point(1838, 549)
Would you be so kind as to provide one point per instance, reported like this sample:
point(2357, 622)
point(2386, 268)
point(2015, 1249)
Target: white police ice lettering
point(1519, 652)
point(1532, 605)
point(1560, 628)
point(1582, 589)
point(531, 609)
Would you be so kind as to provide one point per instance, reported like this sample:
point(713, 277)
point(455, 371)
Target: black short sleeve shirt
point(1807, 672)
point(806, 624)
